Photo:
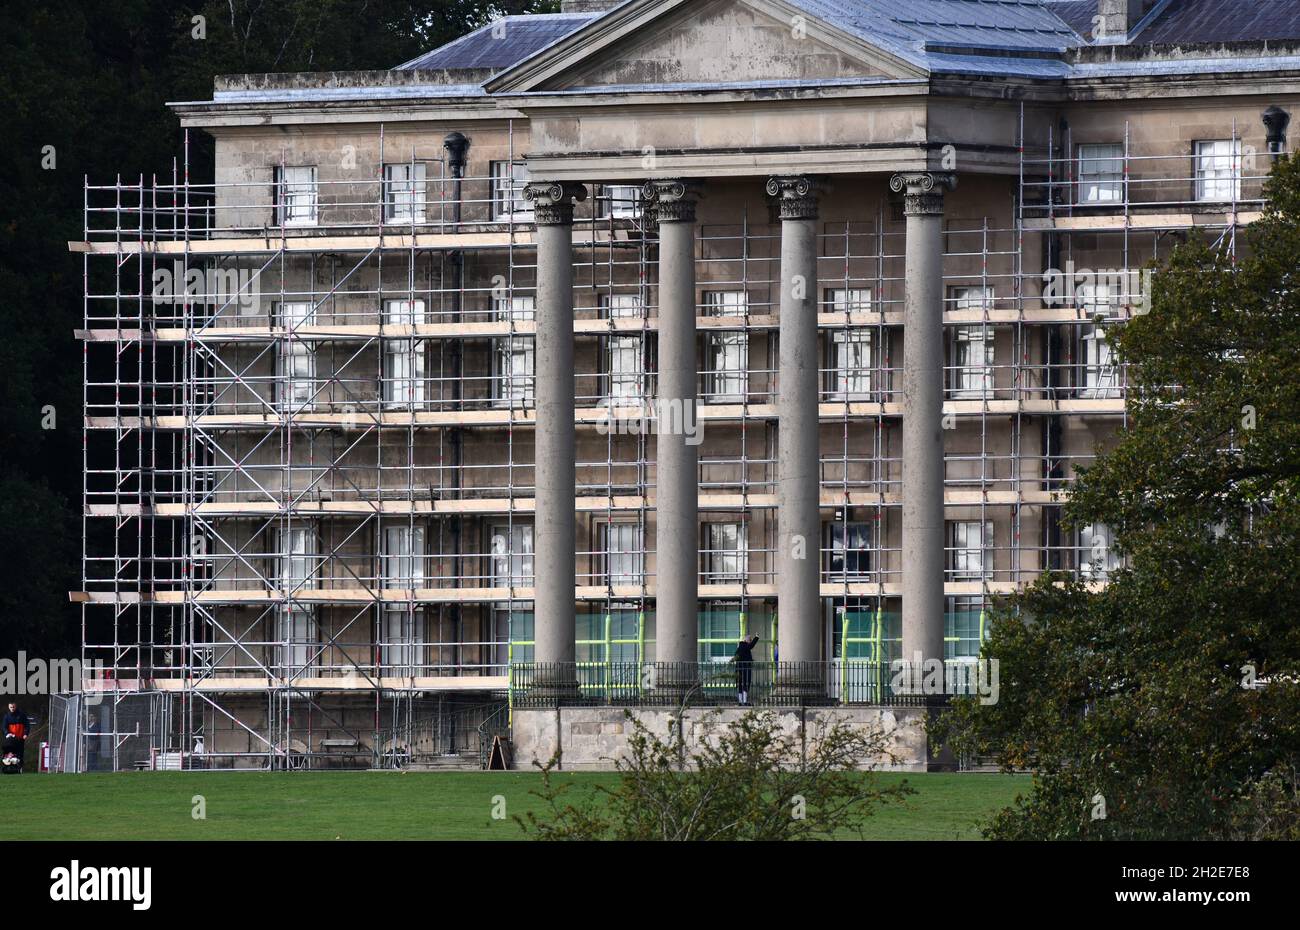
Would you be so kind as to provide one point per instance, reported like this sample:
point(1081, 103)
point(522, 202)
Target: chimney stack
point(1114, 20)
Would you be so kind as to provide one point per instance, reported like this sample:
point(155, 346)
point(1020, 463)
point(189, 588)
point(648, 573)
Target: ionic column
point(798, 563)
point(923, 528)
point(677, 487)
point(554, 541)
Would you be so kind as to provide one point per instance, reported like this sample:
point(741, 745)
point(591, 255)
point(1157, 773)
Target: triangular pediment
point(702, 42)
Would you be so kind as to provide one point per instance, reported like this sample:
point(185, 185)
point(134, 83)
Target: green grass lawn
point(388, 805)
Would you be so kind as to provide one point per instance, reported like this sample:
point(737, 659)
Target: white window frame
point(1100, 374)
point(295, 557)
point(849, 366)
point(402, 640)
point(511, 548)
point(619, 201)
point(1217, 170)
point(297, 640)
point(973, 357)
point(968, 560)
point(624, 353)
point(1110, 561)
point(402, 563)
point(295, 374)
point(297, 199)
point(849, 356)
point(514, 358)
point(404, 364)
point(402, 566)
point(405, 192)
point(297, 636)
point(1101, 172)
point(848, 300)
point(508, 201)
point(1097, 299)
point(727, 355)
point(621, 306)
point(623, 550)
point(726, 563)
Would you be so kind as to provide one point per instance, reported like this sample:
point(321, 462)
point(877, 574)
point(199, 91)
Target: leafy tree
point(749, 780)
point(1167, 705)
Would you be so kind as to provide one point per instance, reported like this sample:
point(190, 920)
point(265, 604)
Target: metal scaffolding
point(308, 452)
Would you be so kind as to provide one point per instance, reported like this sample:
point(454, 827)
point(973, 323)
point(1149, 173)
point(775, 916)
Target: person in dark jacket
point(744, 659)
point(16, 727)
point(17, 723)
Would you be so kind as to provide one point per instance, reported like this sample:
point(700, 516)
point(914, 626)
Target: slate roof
point(1077, 14)
point(501, 44)
point(1015, 38)
point(1002, 24)
point(1188, 21)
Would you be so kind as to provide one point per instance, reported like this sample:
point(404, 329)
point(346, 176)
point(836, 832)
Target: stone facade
point(593, 738)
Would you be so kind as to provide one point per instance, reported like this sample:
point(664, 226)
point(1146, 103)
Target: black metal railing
point(709, 684)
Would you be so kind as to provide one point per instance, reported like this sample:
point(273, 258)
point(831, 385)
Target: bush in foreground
point(749, 780)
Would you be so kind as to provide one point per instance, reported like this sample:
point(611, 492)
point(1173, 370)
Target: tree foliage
point(1169, 701)
point(749, 780)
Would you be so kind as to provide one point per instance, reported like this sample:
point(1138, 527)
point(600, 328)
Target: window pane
point(1101, 172)
point(404, 555)
point(404, 358)
point(508, 182)
point(1097, 555)
point(623, 553)
point(621, 306)
point(1101, 376)
point(851, 559)
point(624, 365)
point(972, 375)
point(619, 200)
point(514, 356)
point(296, 195)
point(1218, 169)
point(849, 371)
point(970, 546)
point(852, 300)
point(719, 631)
point(727, 355)
point(296, 358)
point(727, 558)
point(512, 556)
point(404, 193)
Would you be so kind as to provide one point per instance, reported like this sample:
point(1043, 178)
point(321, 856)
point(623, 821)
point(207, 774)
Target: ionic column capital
point(553, 201)
point(671, 200)
point(922, 191)
point(797, 195)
